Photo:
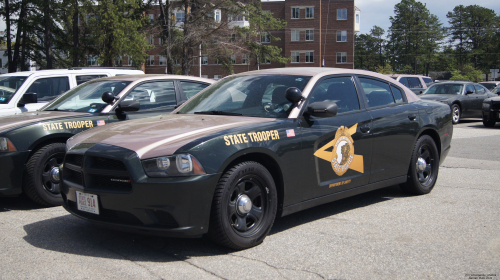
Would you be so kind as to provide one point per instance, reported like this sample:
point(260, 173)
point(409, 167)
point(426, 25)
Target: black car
point(464, 98)
point(491, 111)
point(255, 146)
point(33, 144)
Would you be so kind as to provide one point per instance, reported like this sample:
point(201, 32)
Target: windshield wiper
point(218, 113)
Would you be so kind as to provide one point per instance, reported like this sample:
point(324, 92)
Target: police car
point(253, 147)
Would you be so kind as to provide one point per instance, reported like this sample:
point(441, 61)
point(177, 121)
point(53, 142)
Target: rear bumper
point(11, 172)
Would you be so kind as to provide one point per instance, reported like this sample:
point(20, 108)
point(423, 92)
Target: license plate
point(87, 202)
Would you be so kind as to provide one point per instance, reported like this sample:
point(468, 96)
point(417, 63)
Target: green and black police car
point(32, 144)
point(256, 146)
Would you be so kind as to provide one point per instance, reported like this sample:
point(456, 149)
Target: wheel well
point(272, 166)
point(47, 142)
point(435, 136)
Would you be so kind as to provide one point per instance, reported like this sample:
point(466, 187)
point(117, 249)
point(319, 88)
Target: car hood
point(12, 121)
point(161, 135)
point(437, 97)
point(496, 99)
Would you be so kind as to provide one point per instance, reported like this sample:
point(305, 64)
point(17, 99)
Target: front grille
point(108, 182)
point(76, 160)
point(107, 215)
point(72, 176)
point(106, 164)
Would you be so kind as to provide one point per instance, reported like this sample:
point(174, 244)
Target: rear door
point(394, 128)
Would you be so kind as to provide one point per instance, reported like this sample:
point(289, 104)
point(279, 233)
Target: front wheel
point(488, 123)
point(42, 183)
point(244, 206)
point(424, 167)
point(455, 110)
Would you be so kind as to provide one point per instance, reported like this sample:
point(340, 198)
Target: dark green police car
point(32, 144)
point(255, 146)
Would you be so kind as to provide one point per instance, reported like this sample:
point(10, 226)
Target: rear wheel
point(42, 183)
point(244, 206)
point(424, 167)
point(455, 110)
point(489, 123)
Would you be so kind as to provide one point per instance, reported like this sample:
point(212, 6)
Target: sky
point(377, 12)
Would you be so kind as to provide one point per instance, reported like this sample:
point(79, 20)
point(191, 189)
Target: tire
point(488, 123)
point(38, 184)
point(243, 227)
point(456, 113)
point(424, 167)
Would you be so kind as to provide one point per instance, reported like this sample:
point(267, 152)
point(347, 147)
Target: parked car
point(231, 159)
point(32, 144)
point(417, 83)
point(491, 111)
point(464, 98)
point(490, 85)
point(496, 90)
point(30, 90)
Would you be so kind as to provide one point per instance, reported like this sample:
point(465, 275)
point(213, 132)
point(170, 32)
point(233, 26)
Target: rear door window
point(427, 81)
point(404, 81)
point(398, 94)
point(49, 88)
point(377, 92)
point(80, 79)
point(190, 88)
point(414, 82)
point(154, 95)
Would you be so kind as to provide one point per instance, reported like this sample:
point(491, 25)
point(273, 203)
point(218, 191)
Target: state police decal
point(342, 156)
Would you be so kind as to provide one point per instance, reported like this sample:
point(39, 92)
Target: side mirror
point(293, 95)
point(128, 106)
point(29, 97)
point(108, 97)
point(469, 92)
point(323, 109)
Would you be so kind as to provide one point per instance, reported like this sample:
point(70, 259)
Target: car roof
point(148, 77)
point(73, 70)
point(408, 75)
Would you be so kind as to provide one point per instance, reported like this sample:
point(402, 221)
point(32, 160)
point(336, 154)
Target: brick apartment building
point(318, 33)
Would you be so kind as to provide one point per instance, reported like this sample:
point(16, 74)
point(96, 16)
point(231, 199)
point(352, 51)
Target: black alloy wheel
point(244, 206)
point(424, 167)
point(42, 181)
point(456, 113)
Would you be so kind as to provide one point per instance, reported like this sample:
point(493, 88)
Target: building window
point(118, 61)
point(204, 60)
point(309, 57)
point(217, 61)
point(244, 59)
point(232, 38)
point(150, 61)
point(265, 38)
point(129, 61)
point(160, 41)
point(151, 39)
point(341, 14)
point(342, 36)
point(204, 76)
point(151, 19)
point(217, 77)
point(163, 60)
point(357, 18)
point(179, 16)
point(92, 61)
point(341, 57)
point(295, 13)
point(295, 35)
point(310, 12)
point(295, 57)
point(265, 60)
point(310, 35)
point(217, 15)
point(233, 59)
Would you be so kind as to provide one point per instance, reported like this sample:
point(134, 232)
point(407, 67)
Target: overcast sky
point(377, 12)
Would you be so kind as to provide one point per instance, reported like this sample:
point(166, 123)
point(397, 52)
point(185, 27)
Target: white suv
point(30, 90)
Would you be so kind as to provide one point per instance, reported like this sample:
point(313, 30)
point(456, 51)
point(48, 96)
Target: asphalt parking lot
point(452, 233)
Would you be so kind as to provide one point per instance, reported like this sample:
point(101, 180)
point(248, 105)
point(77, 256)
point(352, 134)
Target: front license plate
point(87, 202)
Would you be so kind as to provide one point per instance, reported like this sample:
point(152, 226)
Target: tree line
point(64, 33)
point(417, 42)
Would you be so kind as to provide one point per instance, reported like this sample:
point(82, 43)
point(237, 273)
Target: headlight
point(6, 145)
point(486, 106)
point(444, 101)
point(176, 165)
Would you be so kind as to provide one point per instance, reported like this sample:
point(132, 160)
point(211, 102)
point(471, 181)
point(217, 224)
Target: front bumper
point(176, 207)
point(493, 114)
point(11, 172)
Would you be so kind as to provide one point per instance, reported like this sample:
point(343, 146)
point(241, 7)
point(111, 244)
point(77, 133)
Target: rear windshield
point(489, 86)
point(445, 89)
point(9, 86)
point(86, 97)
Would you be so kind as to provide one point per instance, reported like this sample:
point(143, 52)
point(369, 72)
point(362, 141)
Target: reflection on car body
point(255, 146)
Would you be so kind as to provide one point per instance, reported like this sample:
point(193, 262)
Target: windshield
point(445, 89)
point(249, 95)
point(86, 97)
point(489, 86)
point(9, 86)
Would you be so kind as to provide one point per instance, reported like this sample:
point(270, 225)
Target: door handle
point(365, 129)
point(412, 117)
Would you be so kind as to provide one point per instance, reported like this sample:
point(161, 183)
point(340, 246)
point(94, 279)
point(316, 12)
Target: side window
point(190, 88)
point(404, 81)
point(154, 95)
point(377, 93)
point(48, 88)
point(480, 89)
point(470, 89)
point(427, 81)
point(398, 94)
point(340, 90)
point(414, 82)
point(80, 79)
